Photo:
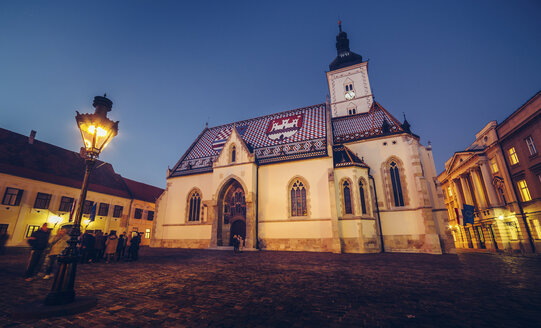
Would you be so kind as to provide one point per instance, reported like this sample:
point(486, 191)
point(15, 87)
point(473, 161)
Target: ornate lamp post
point(97, 131)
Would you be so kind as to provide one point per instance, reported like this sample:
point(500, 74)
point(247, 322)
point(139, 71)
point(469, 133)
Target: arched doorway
point(232, 216)
point(238, 227)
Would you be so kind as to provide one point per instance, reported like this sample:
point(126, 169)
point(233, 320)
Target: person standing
point(87, 247)
point(133, 250)
point(58, 244)
point(3, 240)
point(99, 246)
point(110, 246)
point(236, 244)
point(121, 246)
point(38, 241)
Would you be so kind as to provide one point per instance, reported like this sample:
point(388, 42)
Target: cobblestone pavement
point(204, 288)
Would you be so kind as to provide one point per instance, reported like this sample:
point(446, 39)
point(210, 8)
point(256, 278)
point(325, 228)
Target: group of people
point(238, 243)
point(109, 247)
point(93, 247)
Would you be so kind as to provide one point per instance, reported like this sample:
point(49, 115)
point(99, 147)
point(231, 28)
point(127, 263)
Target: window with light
point(494, 165)
point(524, 192)
point(513, 158)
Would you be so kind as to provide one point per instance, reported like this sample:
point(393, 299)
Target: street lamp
point(97, 131)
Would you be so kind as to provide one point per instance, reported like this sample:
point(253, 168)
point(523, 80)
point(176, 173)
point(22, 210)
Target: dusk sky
point(171, 66)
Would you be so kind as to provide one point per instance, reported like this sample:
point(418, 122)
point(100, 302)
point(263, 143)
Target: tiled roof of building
point(48, 163)
point(143, 191)
point(294, 134)
point(374, 123)
point(343, 156)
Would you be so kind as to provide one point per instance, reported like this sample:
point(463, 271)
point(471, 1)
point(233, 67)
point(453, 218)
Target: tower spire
point(345, 57)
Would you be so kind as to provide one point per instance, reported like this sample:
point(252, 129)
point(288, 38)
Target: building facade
point(500, 176)
point(343, 176)
point(40, 183)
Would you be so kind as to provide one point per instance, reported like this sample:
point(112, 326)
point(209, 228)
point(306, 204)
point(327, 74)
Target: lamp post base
point(37, 310)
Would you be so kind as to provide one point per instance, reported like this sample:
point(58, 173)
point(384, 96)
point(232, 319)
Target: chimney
point(31, 137)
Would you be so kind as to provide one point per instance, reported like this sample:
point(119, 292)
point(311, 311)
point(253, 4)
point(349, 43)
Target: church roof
point(374, 123)
point(343, 156)
point(295, 134)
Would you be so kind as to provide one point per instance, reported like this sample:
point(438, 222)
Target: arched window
point(347, 197)
point(397, 186)
point(363, 200)
point(233, 154)
point(195, 205)
point(298, 198)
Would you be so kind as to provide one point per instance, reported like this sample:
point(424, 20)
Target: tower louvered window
point(347, 198)
point(298, 199)
point(195, 202)
point(397, 186)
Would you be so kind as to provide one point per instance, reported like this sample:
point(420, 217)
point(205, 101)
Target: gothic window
point(194, 206)
point(363, 200)
point(396, 184)
point(233, 154)
point(347, 197)
point(298, 198)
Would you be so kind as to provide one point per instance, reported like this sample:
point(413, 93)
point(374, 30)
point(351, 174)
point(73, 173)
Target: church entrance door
point(233, 214)
point(237, 228)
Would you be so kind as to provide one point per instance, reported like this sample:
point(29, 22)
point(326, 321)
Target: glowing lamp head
point(96, 129)
point(500, 217)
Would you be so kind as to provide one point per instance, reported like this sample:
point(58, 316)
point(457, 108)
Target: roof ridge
point(263, 116)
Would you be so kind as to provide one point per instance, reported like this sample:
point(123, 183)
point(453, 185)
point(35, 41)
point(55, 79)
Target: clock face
point(350, 95)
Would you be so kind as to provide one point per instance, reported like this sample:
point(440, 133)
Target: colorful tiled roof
point(295, 134)
point(374, 123)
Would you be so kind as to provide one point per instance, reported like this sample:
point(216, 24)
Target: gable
point(242, 152)
point(291, 135)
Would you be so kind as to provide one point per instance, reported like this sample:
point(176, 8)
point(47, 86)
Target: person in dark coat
point(133, 250)
point(87, 247)
point(121, 246)
point(99, 246)
point(38, 241)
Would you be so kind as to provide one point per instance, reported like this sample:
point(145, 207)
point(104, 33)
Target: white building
point(344, 176)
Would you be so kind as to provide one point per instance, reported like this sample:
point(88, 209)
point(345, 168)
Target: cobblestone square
point(205, 288)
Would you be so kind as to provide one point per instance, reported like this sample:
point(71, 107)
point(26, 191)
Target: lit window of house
point(513, 158)
point(524, 192)
point(450, 191)
point(147, 233)
point(494, 165)
point(531, 145)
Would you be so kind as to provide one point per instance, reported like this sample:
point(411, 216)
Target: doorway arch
point(231, 209)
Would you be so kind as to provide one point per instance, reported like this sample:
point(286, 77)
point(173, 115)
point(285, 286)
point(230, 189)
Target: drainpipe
point(257, 207)
point(532, 244)
point(377, 210)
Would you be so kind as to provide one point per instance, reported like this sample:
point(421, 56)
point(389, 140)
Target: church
point(344, 176)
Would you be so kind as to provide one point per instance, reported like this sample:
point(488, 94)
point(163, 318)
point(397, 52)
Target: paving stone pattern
point(205, 288)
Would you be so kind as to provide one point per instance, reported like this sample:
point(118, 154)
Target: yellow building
point(500, 175)
point(40, 182)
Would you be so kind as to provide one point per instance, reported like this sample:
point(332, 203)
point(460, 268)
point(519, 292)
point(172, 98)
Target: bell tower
point(347, 77)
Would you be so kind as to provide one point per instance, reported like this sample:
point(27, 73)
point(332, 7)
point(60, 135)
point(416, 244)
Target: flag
point(92, 213)
point(467, 214)
point(73, 205)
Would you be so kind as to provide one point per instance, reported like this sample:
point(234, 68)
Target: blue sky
point(169, 66)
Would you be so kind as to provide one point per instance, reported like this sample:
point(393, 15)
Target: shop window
point(30, 230)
